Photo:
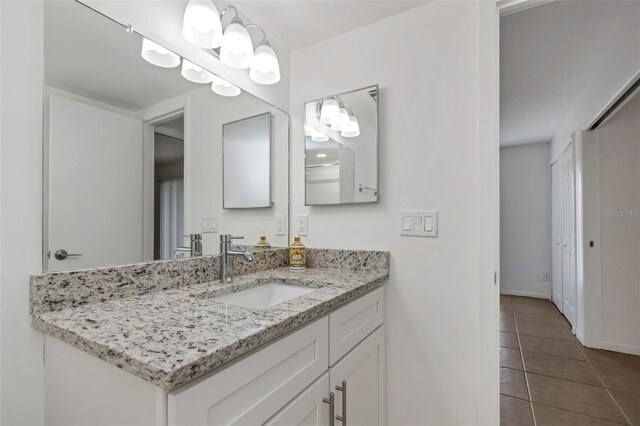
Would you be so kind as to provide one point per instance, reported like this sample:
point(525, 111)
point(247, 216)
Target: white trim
point(524, 294)
point(507, 7)
point(627, 349)
point(563, 150)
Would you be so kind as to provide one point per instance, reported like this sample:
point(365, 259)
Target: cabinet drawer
point(308, 409)
point(253, 389)
point(353, 322)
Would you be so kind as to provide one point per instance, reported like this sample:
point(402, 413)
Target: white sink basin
point(264, 296)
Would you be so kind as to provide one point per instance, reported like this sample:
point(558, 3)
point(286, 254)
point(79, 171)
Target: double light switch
point(421, 223)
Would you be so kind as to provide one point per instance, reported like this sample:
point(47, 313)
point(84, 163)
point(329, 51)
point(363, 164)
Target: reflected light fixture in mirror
point(353, 128)
point(158, 55)
point(319, 136)
point(329, 111)
point(201, 25)
point(195, 74)
point(223, 88)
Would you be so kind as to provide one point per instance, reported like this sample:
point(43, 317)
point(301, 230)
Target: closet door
point(569, 290)
point(556, 234)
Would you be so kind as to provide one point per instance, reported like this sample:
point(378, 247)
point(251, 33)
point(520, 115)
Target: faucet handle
point(226, 238)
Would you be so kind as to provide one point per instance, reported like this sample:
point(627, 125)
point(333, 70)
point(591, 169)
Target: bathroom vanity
point(273, 347)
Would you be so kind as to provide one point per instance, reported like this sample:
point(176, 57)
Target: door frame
point(171, 109)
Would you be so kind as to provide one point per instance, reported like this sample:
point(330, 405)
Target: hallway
point(548, 378)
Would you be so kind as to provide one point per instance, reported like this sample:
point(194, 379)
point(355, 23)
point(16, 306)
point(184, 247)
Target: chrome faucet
point(227, 255)
point(195, 248)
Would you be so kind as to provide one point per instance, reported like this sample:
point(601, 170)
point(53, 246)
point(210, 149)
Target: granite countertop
point(172, 336)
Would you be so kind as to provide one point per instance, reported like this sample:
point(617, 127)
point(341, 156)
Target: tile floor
point(548, 378)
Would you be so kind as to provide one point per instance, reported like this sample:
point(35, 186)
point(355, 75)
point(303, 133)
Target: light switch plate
point(209, 225)
point(281, 225)
point(302, 225)
point(419, 223)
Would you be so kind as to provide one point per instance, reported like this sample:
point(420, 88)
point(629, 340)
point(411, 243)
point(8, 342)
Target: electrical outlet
point(281, 225)
point(302, 225)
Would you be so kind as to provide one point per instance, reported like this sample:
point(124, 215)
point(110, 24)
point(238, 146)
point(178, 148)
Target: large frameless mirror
point(134, 149)
point(341, 148)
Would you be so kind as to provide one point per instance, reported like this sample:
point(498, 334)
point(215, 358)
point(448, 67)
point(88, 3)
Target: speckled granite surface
point(173, 336)
point(60, 290)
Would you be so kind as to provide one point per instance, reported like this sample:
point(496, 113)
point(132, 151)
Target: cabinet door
point(363, 372)
point(254, 389)
point(308, 409)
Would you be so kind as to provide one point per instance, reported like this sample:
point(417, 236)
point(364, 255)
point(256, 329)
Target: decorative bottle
point(297, 255)
point(263, 244)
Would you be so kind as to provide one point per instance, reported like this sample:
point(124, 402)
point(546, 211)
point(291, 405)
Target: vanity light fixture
point(308, 130)
point(342, 120)
point(203, 27)
point(223, 88)
point(237, 48)
point(329, 111)
point(158, 55)
point(201, 24)
point(195, 74)
point(353, 128)
point(321, 155)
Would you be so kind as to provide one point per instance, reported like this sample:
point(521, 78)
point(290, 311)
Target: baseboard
point(616, 347)
point(524, 293)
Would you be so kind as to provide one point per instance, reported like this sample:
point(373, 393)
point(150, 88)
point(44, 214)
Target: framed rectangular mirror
point(133, 149)
point(341, 148)
point(246, 146)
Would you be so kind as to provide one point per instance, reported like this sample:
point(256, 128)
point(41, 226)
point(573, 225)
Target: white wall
point(525, 219)
point(21, 86)
point(615, 68)
point(435, 65)
point(619, 156)
point(161, 21)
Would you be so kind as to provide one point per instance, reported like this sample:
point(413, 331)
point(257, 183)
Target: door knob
point(62, 254)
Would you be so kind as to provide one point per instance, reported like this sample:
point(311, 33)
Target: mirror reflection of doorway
point(168, 189)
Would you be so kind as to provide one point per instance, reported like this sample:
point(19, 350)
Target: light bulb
point(194, 73)
point(265, 68)
point(158, 55)
point(237, 48)
point(329, 111)
point(224, 88)
point(353, 129)
point(201, 24)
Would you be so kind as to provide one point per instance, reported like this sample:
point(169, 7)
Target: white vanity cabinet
point(285, 382)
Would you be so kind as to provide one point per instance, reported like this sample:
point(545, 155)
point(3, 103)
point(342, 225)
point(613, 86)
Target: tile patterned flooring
point(548, 378)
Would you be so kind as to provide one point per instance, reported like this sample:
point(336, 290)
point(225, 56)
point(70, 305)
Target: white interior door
point(95, 186)
point(569, 290)
point(556, 234)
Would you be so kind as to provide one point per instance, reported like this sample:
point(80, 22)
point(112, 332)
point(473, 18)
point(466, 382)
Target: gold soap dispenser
point(263, 244)
point(297, 255)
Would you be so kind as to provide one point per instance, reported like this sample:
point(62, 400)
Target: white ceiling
point(546, 55)
point(296, 24)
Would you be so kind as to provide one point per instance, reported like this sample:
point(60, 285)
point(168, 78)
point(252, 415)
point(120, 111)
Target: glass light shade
point(237, 48)
point(265, 68)
point(194, 73)
point(201, 24)
point(353, 129)
point(329, 111)
point(341, 121)
point(224, 88)
point(319, 137)
point(158, 55)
